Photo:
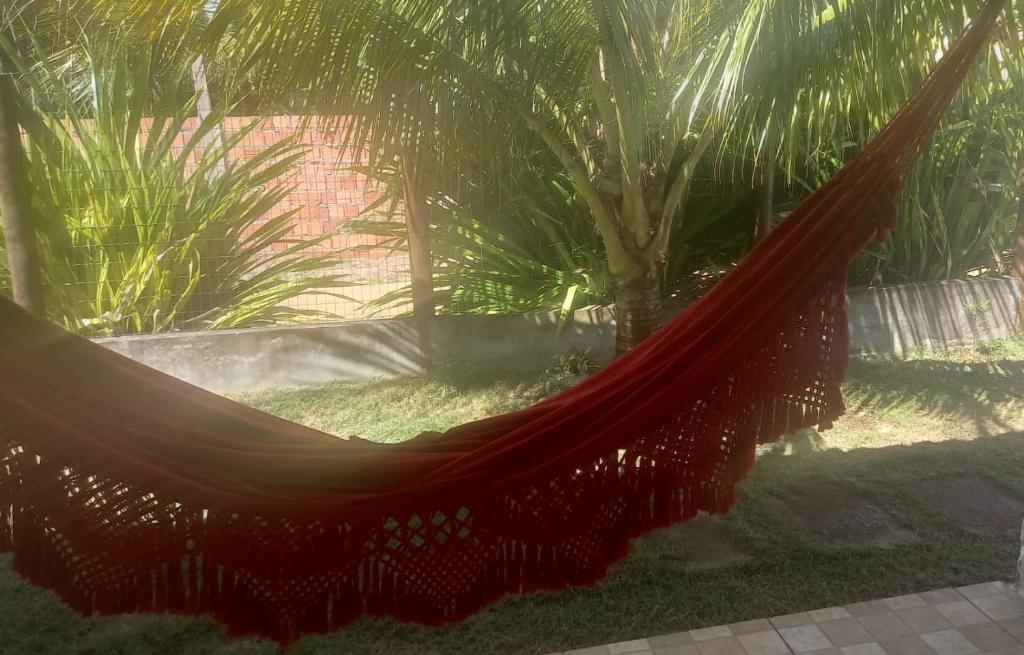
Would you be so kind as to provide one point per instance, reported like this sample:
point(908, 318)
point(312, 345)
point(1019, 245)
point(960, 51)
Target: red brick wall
point(328, 194)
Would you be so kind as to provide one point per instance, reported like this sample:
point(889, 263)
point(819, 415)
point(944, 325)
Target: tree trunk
point(638, 310)
point(767, 210)
point(204, 108)
point(1020, 562)
point(1019, 244)
point(421, 262)
point(16, 204)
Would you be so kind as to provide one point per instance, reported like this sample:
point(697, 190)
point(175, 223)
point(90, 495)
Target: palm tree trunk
point(767, 211)
point(15, 204)
point(1019, 244)
point(638, 310)
point(421, 263)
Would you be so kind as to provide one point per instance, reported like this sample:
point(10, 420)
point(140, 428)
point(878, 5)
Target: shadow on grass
point(792, 568)
point(939, 388)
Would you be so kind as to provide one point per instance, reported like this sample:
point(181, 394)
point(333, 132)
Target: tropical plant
point(628, 99)
point(147, 224)
point(5, 274)
point(578, 361)
point(532, 247)
point(627, 96)
point(958, 211)
point(515, 242)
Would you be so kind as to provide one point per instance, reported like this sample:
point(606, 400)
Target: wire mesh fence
point(156, 216)
point(328, 192)
point(177, 222)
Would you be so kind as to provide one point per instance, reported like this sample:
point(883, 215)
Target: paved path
point(984, 618)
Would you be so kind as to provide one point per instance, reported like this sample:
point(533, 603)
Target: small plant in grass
point(577, 362)
point(977, 311)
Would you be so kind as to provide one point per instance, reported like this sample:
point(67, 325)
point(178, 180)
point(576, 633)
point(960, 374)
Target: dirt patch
point(839, 515)
point(974, 504)
point(703, 543)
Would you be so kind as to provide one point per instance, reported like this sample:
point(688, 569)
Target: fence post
point(421, 263)
point(204, 107)
point(16, 201)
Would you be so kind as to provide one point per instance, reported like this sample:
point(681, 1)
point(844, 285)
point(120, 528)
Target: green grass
point(395, 410)
point(926, 415)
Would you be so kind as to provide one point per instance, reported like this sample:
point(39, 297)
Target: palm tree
point(628, 95)
point(1018, 246)
point(15, 203)
point(58, 31)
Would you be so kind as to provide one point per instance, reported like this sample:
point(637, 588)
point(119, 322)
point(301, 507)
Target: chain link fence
point(329, 192)
point(200, 221)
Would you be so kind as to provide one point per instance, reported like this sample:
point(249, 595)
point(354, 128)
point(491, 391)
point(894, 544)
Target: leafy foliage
point(501, 244)
point(958, 212)
point(148, 225)
point(566, 140)
point(578, 361)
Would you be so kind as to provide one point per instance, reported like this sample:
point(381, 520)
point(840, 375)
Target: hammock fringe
point(184, 559)
point(125, 490)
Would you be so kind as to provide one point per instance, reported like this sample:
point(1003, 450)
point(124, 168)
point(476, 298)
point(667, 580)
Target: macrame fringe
point(124, 523)
point(105, 547)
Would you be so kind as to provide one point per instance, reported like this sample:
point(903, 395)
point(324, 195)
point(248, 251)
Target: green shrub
point(958, 212)
point(162, 232)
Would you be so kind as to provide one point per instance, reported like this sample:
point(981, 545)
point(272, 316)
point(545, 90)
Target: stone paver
point(845, 632)
point(593, 650)
point(1015, 627)
point(983, 590)
point(923, 619)
point(962, 613)
point(949, 642)
point(805, 638)
point(634, 646)
point(837, 513)
point(721, 646)
point(868, 607)
point(999, 608)
point(829, 614)
point(981, 619)
point(750, 627)
point(973, 504)
point(678, 649)
point(764, 643)
point(706, 634)
point(792, 620)
point(674, 639)
point(988, 637)
point(886, 625)
point(871, 648)
point(941, 596)
point(906, 645)
point(703, 543)
point(905, 602)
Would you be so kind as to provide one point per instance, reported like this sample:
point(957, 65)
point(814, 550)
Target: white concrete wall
point(932, 315)
point(882, 321)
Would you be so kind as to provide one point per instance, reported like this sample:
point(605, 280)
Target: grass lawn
point(919, 486)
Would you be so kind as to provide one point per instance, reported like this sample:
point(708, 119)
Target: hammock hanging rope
point(126, 490)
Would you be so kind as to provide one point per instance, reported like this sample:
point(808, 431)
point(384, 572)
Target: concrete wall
point(882, 321)
point(240, 360)
point(933, 315)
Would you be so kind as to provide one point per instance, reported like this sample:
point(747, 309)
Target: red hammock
point(126, 490)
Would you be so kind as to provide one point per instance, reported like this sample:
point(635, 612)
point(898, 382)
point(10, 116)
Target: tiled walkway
point(983, 618)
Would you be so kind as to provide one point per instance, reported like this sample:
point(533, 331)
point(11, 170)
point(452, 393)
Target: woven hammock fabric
point(126, 490)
